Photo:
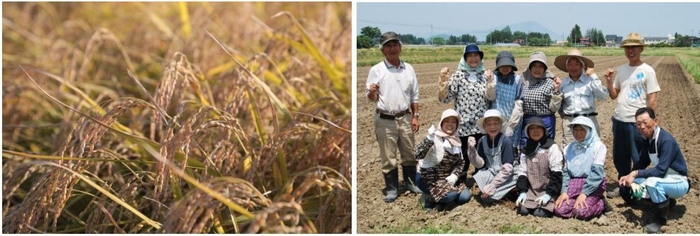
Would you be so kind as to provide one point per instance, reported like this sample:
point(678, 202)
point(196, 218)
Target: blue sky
point(453, 18)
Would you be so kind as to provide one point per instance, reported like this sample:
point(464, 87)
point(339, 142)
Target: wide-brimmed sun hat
point(538, 56)
point(505, 58)
point(560, 61)
point(488, 114)
point(535, 120)
point(633, 39)
point(472, 48)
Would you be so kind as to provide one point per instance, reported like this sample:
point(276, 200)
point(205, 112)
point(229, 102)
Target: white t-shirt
point(398, 87)
point(634, 82)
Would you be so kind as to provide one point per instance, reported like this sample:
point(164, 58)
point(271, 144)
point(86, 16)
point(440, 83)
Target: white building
point(651, 40)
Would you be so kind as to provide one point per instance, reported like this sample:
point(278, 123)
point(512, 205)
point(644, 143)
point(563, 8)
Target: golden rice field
point(176, 117)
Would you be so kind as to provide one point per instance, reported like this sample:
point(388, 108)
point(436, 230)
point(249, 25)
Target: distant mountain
point(531, 26)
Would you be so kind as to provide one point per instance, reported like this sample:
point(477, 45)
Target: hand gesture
point(431, 132)
point(452, 179)
point(471, 141)
point(564, 197)
point(557, 83)
point(444, 76)
point(590, 71)
point(521, 199)
point(373, 87)
point(489, 76)
point(609, 75)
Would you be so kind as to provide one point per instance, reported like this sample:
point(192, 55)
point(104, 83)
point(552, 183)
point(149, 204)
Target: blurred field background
point(170, 117)
point(417, 54)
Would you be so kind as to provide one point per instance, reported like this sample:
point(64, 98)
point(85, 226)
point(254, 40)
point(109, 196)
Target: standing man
point(635, 86)
point(579, 90)
point(393, 85)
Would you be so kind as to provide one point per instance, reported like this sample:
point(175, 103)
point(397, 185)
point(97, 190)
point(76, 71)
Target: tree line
point(369, 37)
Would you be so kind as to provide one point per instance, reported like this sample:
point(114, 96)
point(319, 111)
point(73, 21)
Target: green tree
point(452, 40)
point(575, 35)
point(364, 41)
point(467, 38)
point(371, 32)
point(437, 41)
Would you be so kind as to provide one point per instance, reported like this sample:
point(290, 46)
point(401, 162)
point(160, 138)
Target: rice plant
point(167, 117)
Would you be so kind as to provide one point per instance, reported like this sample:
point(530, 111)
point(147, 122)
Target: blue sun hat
point(472, 48)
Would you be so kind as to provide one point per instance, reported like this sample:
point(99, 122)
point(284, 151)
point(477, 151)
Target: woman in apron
point(666, 180)
point(539, 172)
point(583, 176)
point(441, 162)
point(493, 159)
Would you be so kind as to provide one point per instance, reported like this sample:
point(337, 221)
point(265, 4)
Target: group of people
point(504, 125)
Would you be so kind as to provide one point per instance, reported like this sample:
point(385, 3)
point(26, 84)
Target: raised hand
point(489, 76)
point(444, 76)
point(557, 83)
point(609, 75)
point(471, 141)
point(590, 71)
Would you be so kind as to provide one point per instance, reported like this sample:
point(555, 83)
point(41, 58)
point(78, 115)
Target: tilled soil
point(678, 102)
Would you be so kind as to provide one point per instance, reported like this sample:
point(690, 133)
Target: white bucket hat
point(488, 114)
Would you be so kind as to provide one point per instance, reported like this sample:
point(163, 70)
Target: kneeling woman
point(441, 163)
point(493, 158)
point(584, 176)
point(539, 172)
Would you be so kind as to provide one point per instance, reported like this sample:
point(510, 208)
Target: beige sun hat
point(560, 61)
point(488, 114)
point(633, 39)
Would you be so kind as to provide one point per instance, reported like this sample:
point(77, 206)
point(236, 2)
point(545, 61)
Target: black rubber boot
point(671, 203)
point(409, 179)
point(659, 218)
point(606, 206)
point(391, 180)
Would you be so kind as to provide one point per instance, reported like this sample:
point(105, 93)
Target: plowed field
point(679, 105)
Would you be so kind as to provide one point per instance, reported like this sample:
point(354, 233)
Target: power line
point(445, 30)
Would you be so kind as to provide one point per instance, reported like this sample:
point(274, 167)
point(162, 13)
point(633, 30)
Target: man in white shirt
point(635, 86)
point(393, 85)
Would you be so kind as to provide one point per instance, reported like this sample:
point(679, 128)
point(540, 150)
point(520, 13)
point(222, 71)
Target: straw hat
point(560, 61)
point(633, 39)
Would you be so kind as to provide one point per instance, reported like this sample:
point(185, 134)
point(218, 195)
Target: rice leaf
point(185, 18)
point(107, 193)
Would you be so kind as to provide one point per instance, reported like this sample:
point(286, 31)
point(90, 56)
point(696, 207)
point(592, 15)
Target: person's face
point(574, 67)
point(391, 50)
point(579, 133)
point(537, 69)
point(492, 126)
point(633, 53)
point(646, 125)
point(449, 125)
point(535, 132)
point(505, 70)
point(473, 59)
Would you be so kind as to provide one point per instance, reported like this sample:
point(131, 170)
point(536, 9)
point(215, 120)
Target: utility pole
point(431, 34)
